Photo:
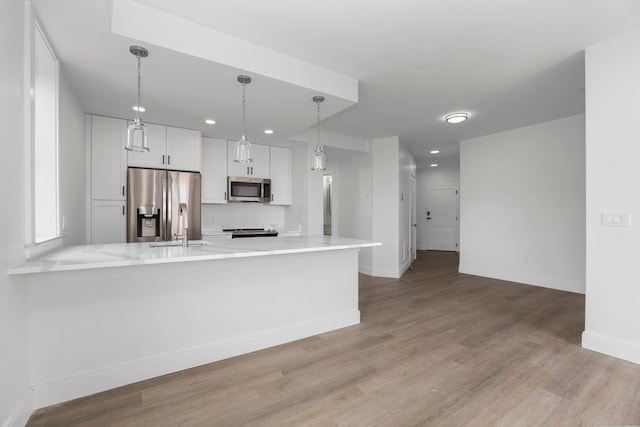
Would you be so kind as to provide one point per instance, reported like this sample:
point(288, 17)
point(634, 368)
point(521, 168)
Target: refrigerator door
point(183, 204)
point(145, 205)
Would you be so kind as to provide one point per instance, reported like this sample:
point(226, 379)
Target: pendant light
point(137, 134)
point(318, 159)
point(243, 146)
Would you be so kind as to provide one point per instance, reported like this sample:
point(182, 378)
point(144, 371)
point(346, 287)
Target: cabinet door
point(214, 170)
point(108, 158)
point(156, 157)
point(259, 168)
point(184, 147)
point(108, 222)
point(280, 176)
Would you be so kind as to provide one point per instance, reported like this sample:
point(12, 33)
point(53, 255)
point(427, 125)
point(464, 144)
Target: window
point(43, 230)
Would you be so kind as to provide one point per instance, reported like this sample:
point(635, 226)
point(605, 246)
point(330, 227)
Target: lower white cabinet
point(214, 170)
point(280, 176)
point(108, 221)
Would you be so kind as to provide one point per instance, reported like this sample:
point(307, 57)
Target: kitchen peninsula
point(107, 315)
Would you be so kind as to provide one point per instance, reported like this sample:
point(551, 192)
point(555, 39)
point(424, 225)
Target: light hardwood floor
point(435, 348)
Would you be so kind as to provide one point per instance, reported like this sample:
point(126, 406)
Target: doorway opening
point(327, 205)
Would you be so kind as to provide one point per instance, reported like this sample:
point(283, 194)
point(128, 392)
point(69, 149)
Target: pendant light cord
point(244, 130)
point(138, 109)
point(318, 126)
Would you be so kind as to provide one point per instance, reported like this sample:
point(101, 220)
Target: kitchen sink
point(192, 243)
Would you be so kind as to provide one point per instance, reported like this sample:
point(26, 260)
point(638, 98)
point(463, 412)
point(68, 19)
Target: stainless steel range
point(250, 232)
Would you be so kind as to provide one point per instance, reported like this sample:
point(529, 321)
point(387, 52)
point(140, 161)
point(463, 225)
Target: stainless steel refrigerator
point(161, 204)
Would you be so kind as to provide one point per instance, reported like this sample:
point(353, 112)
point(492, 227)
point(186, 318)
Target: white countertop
point(125, 254)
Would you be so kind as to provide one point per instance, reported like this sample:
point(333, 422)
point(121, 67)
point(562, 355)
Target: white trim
point(33, 250)
point(621, 349)
point(21, 413)
point(64, 389)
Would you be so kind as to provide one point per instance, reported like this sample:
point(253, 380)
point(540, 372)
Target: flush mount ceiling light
point(137, 134)
point(210, 122)
point(243, 146)
point(456, 117)
point(318, 159)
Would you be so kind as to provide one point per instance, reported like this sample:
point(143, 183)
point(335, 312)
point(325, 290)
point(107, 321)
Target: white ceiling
point(509, 63)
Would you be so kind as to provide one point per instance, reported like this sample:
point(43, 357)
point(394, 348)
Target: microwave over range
point(246, 189)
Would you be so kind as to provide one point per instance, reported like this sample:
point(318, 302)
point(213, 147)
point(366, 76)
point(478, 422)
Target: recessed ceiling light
point(433, 165)
point(140, 109)
point(456, 117)
point(210, 122)
point(434, 151)
point(268, 131)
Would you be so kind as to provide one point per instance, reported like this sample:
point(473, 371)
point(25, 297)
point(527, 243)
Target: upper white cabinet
point(108, 158)
point(184, 147)
point(156, 156)
point(258, 168)
point(280, 176)
point(214, 170)
point(170, 148)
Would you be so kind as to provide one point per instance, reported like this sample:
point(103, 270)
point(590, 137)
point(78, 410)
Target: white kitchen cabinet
point(258, 168)
point(280, 176)
point(184, 149)
point(108, 221)
point(156, 156)
point(214, 170)
point(108, 158)
point(170, 148)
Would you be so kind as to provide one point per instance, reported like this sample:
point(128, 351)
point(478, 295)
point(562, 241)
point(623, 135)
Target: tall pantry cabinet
point(108, 179)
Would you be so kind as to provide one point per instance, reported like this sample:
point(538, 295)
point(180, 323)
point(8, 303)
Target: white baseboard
point(22, 412)
point(545, 282)
point(624, 350)
point(88, 383)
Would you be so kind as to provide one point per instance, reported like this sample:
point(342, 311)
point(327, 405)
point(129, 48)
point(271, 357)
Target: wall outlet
point(64, 222)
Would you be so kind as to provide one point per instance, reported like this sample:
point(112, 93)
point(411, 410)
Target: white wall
point(432, 176)
point(522, 198)
point(350, 196)
point(612, 315)
point(385, 158)
point(15, 398)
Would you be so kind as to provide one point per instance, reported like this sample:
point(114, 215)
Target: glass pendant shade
point(319, 160)
point(243, 146)
point(137, 137)
point(243, 151)
point(137, 134)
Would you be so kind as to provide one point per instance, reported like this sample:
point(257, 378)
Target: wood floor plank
point(434, 348)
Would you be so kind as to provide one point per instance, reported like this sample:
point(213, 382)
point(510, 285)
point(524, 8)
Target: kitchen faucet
point(183, 219)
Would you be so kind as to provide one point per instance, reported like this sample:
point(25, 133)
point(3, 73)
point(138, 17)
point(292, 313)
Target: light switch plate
point(616, 219)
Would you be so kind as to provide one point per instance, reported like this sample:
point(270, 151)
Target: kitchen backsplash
point(242, 215)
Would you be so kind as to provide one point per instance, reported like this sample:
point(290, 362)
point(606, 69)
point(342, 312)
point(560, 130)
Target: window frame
point(36, 245)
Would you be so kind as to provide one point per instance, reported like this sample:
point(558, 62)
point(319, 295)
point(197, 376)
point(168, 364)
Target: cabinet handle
point(272, 197)
point(169, 159)
point(163, 159)
point(247, 170)
point(122, 209)
point(123, 190)
point(225, 195)
point(251, 170)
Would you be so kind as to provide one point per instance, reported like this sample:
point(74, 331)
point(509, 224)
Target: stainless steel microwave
point(247, 189)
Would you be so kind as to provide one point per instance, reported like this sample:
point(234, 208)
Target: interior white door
point(442, 218)
point(412, 216)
